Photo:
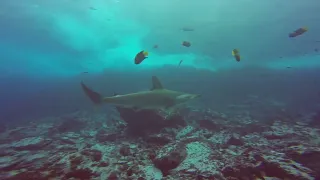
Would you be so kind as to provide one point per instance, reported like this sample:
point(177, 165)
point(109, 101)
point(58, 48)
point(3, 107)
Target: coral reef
point(145, 145)
point(142, 122)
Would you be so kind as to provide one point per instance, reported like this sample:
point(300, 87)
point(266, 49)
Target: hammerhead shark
point(157, 98)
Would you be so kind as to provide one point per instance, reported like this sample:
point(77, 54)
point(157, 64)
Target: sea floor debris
point(213, 147)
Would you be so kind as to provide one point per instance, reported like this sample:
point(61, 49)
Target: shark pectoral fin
point(171, 111)
point(169, 106)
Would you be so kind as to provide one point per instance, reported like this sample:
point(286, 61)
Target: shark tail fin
point(156, 84)
point(95, 97)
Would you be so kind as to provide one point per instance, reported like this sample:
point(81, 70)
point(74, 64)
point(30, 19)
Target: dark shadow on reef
point(140, 123)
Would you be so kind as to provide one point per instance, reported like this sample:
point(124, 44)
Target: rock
point(185, 132)
point(152, 155)
point(235, 141)
point(21, 133)
point(75, 161)
point(170, 161)
point(283, 170)
point(189, 152)
point(95, 155)
point(275, 136)
point(129, 172)
point(103, 136)
point(310, 158)
point(125, 150)
point(208, 124)
point(199, 161)
point(84, 174)
point(67, 140)
point(27, 175)
point(252, 128)
point(270, 164)
point(151, 172)
point(10, 166)
point(70, 124)
point(113, 176)
point(140, 123)
point(103, 164)
point(30, 144)
point(175, 121)
point(158, 139)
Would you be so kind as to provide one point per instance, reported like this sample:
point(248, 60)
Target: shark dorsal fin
point(156, 84)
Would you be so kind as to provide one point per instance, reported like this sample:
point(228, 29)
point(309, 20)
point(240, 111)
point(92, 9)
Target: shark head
point(186, 97)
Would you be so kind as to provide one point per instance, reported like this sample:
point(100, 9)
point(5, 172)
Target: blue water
point(45, 47)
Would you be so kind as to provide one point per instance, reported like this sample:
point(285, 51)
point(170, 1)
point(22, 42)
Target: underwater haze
point(47, 45)
point(154, 90)
point(65, 37)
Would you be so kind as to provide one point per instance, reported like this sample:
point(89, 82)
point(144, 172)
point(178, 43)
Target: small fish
point(298, 32)
point(85, 72)
point(92, 8)
point(142, 55)
point(186, 44)
point(155, 46)
point(288, 67)
point(316, 49)
point(236, 54)
point(187, 29)
point(180, 62)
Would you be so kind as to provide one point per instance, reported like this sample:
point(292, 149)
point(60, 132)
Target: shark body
point(158, 98)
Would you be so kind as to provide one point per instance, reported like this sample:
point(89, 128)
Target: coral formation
point(151, 146)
